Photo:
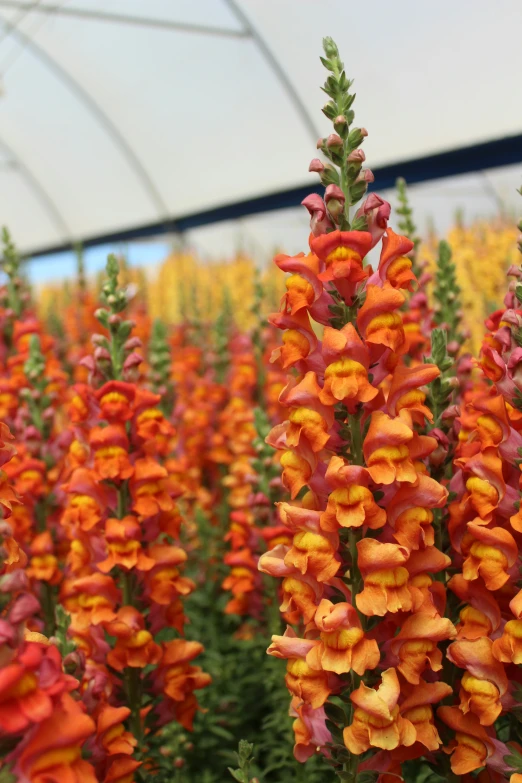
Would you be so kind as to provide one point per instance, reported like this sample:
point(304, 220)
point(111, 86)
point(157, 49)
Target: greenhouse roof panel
point(120, 114)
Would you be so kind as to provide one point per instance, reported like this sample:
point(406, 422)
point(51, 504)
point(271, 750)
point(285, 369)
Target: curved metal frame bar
point(107, 16)
point(276, 67)
point(103, 119)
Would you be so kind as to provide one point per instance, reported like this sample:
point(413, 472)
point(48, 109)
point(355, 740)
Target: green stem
point(439, 541)
point(41, 516)
point(121, 509)
point(115, 350)
point(349, 773)
point(131, 677)
point(127, 585)
point(354, 425)
point(133, 691)
point(48, 609)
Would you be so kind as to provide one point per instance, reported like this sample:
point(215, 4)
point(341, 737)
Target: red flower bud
point(13, 582)
point(24, 607)
point(132, 360)
point(87, 362)
point(357, 156)
point(319, 221)
point(102, 354)
point(366, 175)
point(132, 343)
point(334, 192)
point(334, 141)
point(316, 166)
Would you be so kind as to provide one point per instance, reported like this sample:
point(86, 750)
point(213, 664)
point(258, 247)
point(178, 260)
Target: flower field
point(319, 461)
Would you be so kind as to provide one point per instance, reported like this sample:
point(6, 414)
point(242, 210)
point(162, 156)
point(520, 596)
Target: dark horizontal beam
point(478, 157)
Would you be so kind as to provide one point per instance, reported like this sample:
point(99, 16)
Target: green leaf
point(245, 750)
point(219, 731)
point(237, 775)
point(335, 713)
point(438, 346)
point(367, 776)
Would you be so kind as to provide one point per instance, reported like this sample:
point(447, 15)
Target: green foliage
point(446, 292)
point(115, 299)
point(342, 313)
point(63, 621)
point(442, 388)
point(160, 361)
point(244, 760)
point(35, 394)
point(6, 776)
point(80, 269)
point(406, 223)
point(222, 332)
point(346, 171)
point(263, 465)
point(248, 697)
point(11, 267)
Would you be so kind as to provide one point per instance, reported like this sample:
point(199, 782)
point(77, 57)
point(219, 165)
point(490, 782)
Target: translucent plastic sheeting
point(118, 113)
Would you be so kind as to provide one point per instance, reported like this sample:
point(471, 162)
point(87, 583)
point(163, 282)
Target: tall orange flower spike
point(120, 533)
point(363, 579)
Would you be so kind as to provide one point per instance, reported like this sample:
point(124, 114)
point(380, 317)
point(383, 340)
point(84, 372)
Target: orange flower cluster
point(253, 526)
point(363, 540)
point(343, 448)
point(93, 558)
point(485, 529)
point(41, 722)
point(372, 644)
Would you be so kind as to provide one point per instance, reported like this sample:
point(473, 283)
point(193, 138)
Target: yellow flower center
point(410, 399)
point(298, 284)
point(389, 454)
point(306, 541)
point(399, 265)
point(477, 687)
point(482, 489)
point(342, 639)
point(514, 628)
point(416, 647)
point(114, 397)
point(388, 578)
point(344, 368)
point(343, 253)
point(108, 452)
point(83, 501)
point(384, 321)
point(486, 552)
point(55, 758)
point(27, 684)
point(421, 714)
point(490, 426)
point(138, 639)
point(417, 515)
